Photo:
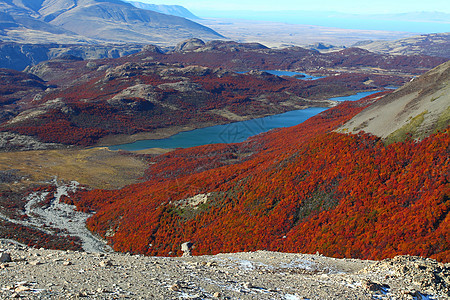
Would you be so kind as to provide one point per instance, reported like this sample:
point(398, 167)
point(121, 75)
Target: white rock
point(105, 263)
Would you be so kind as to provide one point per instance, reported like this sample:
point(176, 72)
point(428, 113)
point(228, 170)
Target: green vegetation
point(444, 120)
point(320, 200)
point(408, 131)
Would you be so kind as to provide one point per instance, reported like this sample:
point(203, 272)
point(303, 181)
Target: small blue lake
point(233, 132)
point(302, 76)
point(354, 97)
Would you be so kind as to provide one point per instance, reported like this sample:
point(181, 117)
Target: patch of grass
point(444, 120)
point(361, 126)
point(435, 98)
point(320, 200)
point(408, 131)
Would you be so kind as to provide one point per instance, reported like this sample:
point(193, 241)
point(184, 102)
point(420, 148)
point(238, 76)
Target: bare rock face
point(140, 97)
point(152, 49)
point(181, 86)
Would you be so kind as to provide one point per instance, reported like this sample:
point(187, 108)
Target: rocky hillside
point(88, 21)
point(230, 55)
point(414, 111)
point(247, 56)
point(18, 56)
point(36, 274)
point(437, 44)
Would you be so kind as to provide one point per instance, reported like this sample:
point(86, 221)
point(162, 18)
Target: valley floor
point(51, 274)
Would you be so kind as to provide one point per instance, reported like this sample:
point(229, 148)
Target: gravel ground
point(52, 274)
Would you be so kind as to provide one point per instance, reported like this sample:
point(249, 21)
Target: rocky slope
point(18, 56)
point(414, 111)
point(36, 274)
point(87, 21)
point(247, 56)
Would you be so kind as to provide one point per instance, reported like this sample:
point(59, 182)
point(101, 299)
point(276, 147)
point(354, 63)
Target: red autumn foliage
point(298, 189)
point(37, 238)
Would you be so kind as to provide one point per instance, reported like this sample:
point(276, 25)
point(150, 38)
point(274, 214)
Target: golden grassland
point(96, 167)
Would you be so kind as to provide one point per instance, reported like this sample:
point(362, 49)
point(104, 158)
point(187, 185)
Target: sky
point(346, 6)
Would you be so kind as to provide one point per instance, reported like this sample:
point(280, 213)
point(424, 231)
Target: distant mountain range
point(93, 21)
point(174, 10)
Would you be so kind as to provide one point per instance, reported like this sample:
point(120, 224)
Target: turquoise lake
point(233, 132)
point(304, 76)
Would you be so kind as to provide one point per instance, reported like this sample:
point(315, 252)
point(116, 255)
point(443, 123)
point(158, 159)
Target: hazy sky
point(349, 6)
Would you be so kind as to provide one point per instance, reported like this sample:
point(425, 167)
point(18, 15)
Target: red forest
point(299, 189)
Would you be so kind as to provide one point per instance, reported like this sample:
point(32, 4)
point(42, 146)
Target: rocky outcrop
point(12, 142)
point(189, 45)
point(19, 56)
point(422, 276)
point(182, 86)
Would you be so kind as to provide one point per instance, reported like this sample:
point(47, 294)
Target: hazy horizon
point(417, 17)
point(343, 6)
point(419, 22)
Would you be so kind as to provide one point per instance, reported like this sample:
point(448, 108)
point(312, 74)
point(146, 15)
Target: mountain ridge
point(176, 10)
point(91, 21)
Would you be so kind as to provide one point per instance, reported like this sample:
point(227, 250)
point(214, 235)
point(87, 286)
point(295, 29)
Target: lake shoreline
point(113, 143)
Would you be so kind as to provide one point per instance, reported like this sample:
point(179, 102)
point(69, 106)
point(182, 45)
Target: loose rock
point(186, 248)
point(106, 263)
point(5, 257)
